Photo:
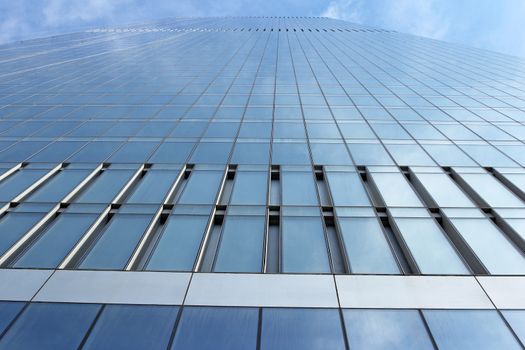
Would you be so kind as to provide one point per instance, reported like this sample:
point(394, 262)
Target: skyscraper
point(260, 183)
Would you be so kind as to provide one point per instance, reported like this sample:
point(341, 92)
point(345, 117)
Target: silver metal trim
point(37, 183)
point(11, 171)
point(80, 244)
point(11, 252)
point(128, 185)
point(202, 248)
point(135, 257)
point(81, 185)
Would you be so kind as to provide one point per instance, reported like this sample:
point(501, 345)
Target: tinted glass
point(301, 329)
point(386, 329)
point(469, 329)
point(202, 328)
point(133, 327)
point(50, 326)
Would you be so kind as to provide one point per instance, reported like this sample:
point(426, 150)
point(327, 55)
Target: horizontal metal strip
point(263, 290)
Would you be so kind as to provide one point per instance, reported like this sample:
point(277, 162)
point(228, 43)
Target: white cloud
point(421, 17)
point(346, 10)
point(60, 12)
point(418, 17)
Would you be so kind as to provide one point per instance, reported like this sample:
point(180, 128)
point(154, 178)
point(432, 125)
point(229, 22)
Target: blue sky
point(496, 25)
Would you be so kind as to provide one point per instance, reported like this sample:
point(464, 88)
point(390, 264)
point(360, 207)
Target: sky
point(496, 25)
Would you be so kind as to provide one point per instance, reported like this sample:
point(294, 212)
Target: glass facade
point(258, 154)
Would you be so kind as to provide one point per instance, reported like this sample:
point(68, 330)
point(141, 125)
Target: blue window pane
point(304, 245)
point(21, 151)
point(133, 327)
point(54, 244)
point(211, 153)
point(288, 130)
point(347, 189)
point(428, 245)
point(516, 320)
point(250, 187)
point(57, 152)
point(212, 328)
point(366, 246)
point(178, 246)
point(59, 186)
point(301, 329)
point(251, 153)
point(18, 182)
point(172, 152)
point(290, 153)
point(13, 226)
point(95, 152)
point(105, 187)
point(469, 329)
point(134, 152)
point(8, 312)
point(116, 244)
point(202, 187)
point(298, 188)
point(386, 329)
point(50, 326)
point(241, 245)
point(154, 187)
point(369, 154)
point(330, 154)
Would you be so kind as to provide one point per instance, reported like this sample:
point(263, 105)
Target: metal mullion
point(21, 243)
point(77, 249)
point(209, 227)
point(37, 183)
point(122, 193)
point(12, 170)
point(73, 254)
point(137, 253)
point(11, 252)
point(82, 184)
point(4, 176)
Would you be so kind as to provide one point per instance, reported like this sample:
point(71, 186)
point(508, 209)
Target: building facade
point(260, 183)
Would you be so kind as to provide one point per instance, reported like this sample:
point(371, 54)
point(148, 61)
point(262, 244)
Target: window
point(386, 329)
point(427, 244)
point(250, 188)
point(366, 246)
point(395, 190)
point(346, 189)
point(469, 329)
point(495, 251)
point(55, 243)
point(116, 243)
point(172, 152)
point(18, 182)
point(59, 186)
point(298, 188)
point(106, 186)
point(14, 225)
point(133, 327)
point(202, 187)
point(179, 243)
point(153, 187)
point(211, 328)
point(516, 320)
point(305, 329)
point(211, 153)
point(304, 245)
point(50, 326)
point(8, 311)
point(290, 153)
point(241, 245)
point(251, 153)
